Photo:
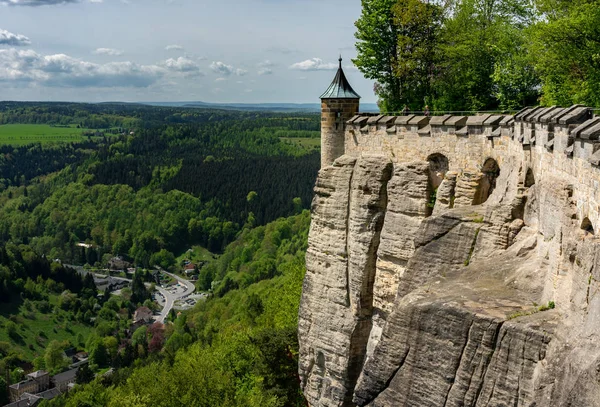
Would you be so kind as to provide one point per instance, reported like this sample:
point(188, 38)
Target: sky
point(221, 51)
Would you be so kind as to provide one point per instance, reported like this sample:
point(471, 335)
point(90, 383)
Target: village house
point(35, 382)
point(32, 400)
point(142, 316)
point(61, 381)
point(189, 268)
point(118, 263)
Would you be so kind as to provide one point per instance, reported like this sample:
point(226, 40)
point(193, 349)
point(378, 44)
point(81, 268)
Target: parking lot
point(189, 301)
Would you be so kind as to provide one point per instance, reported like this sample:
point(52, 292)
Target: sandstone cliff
point(436, 283)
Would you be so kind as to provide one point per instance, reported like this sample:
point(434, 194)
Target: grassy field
point(20, 134)
point(37, 330)
point(196, 255)
point(309, 144)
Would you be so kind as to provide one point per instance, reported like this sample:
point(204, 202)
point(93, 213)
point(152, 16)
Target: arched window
point(529, 178)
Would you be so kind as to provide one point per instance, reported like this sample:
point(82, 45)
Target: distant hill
point(272, 107)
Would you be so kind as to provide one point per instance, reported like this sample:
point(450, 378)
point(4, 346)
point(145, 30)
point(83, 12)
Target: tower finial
point(340, 60)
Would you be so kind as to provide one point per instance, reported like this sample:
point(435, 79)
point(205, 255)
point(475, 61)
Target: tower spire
point(340, 88)
point(339, 104)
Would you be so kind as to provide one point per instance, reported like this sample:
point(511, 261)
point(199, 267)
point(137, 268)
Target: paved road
point(187, 288)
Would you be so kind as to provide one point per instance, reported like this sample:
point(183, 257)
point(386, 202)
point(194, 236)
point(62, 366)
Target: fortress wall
point(408, 302)
point(553, 151)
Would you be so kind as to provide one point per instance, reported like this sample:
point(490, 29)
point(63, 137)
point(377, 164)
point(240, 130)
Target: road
point(182, 289)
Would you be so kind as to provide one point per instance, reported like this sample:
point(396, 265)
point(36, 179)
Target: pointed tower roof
point(340, 88)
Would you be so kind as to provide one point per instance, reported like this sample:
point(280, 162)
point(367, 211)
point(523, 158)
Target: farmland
point(21, 134)
point(308, 144)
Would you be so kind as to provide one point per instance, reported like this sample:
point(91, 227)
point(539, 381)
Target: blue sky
point(176, 50)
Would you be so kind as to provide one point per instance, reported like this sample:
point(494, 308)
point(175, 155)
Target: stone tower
point(339, 104)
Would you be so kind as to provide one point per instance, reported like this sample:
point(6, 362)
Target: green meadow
point(36, 329)
point(20, 134)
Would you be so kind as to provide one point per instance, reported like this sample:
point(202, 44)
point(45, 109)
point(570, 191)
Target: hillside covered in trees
point(239, 348)
point(164, 186)
point(166, 180)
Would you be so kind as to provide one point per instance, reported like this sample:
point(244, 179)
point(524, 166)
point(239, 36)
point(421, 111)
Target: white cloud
point(108, 51)
point(14, 40)
point(222, 68)
point(60, 70)
point(174, 47)
point(313, 64)
point(183, 65)
point(264, 68)
point(220, 79)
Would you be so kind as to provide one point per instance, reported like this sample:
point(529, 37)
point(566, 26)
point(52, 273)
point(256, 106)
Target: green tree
point(297, 202)
point(98, 354)
point(419, 26)
point(112, 347)
point(251, 197)
point(11, 330)
point(515, 82)
point(140, 337)
point(566, 51)
point(84, 375)
point(377, 43)
point(3, 392)
point(482, 41)
point(139, 291)
point(54, 357)
point(163, 258)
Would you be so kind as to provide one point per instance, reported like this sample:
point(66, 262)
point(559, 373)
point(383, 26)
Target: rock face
point(474, 286)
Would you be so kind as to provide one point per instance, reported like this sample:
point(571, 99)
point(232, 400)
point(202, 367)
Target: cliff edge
point(454, 262)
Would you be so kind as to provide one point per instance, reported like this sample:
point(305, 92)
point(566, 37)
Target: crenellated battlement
point(573, 131)
point(547, 143)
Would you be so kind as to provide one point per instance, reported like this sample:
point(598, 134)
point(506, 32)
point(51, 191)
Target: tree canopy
point(473, 55)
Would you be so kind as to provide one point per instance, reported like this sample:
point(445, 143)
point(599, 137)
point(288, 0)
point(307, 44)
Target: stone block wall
point(563, 142)
point(334, 113)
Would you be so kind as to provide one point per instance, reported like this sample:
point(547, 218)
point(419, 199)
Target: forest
point(237, 349)
point(166, 186)
point(170, 179)
point(475, 55)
